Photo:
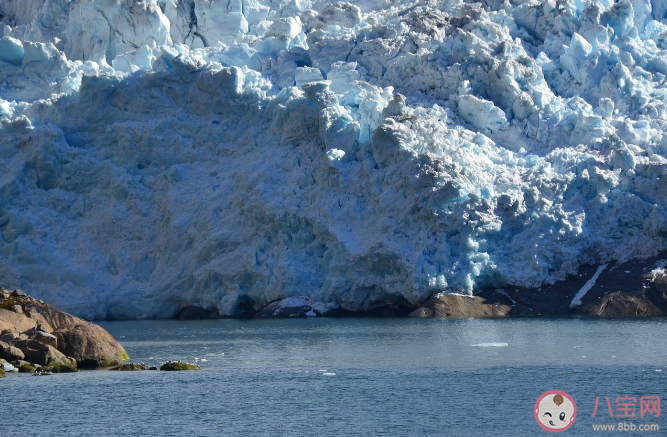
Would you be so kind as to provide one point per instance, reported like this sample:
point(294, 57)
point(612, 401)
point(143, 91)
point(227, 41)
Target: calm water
point(347, 377)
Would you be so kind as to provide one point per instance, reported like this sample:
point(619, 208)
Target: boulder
point(44, 338)
point(18, 309)
point(177, 365)
point(11, 353)
point(8, 336)
point(61, 368)
point(26, 368)
point(90, 345)
point(10, 320)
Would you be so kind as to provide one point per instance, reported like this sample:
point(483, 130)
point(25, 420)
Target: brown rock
point(492, 304)
point(10, 320)
point(50, 335)
point(90, 345)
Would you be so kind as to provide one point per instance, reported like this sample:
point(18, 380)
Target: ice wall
point(162, 153)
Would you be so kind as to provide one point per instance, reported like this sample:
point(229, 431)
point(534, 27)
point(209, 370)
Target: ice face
point(158, 154)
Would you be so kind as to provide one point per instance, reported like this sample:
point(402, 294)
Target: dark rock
point(48, 356)
point(25, 345)
point(637, 288)
point(44, 338)
point(130, 367)
point(37, 329)
point(11, 353)
point(153, 368)
point(177, 365)
point(61, 368)
point(286, 308)
point(18, 293)
point(2, 372)
point(8, 336)
point(196, 313)
point(26, 368)
point(90, 345)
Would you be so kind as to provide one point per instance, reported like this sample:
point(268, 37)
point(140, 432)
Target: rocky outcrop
point(636, 288)
point(45, 336)
point(178, 365)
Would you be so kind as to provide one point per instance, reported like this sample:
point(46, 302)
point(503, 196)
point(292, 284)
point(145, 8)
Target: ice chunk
point(342, 75)
point(304, 75)
point(11, 50)
point(481, 113)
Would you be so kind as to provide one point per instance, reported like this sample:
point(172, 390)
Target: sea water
point(349, 377)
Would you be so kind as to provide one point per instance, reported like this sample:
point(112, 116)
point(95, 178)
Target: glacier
point(158, 154)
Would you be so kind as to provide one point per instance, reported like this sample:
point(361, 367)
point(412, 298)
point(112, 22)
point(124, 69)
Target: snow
point(166, 153)
point(659, 270)
point(576, 301)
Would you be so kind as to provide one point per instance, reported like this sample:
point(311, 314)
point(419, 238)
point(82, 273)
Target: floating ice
point(160, 154)
point(490, 345)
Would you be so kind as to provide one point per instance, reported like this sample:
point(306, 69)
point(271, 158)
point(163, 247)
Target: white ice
point(228, 154)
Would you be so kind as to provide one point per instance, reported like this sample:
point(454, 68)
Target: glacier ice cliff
point(157, 154)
